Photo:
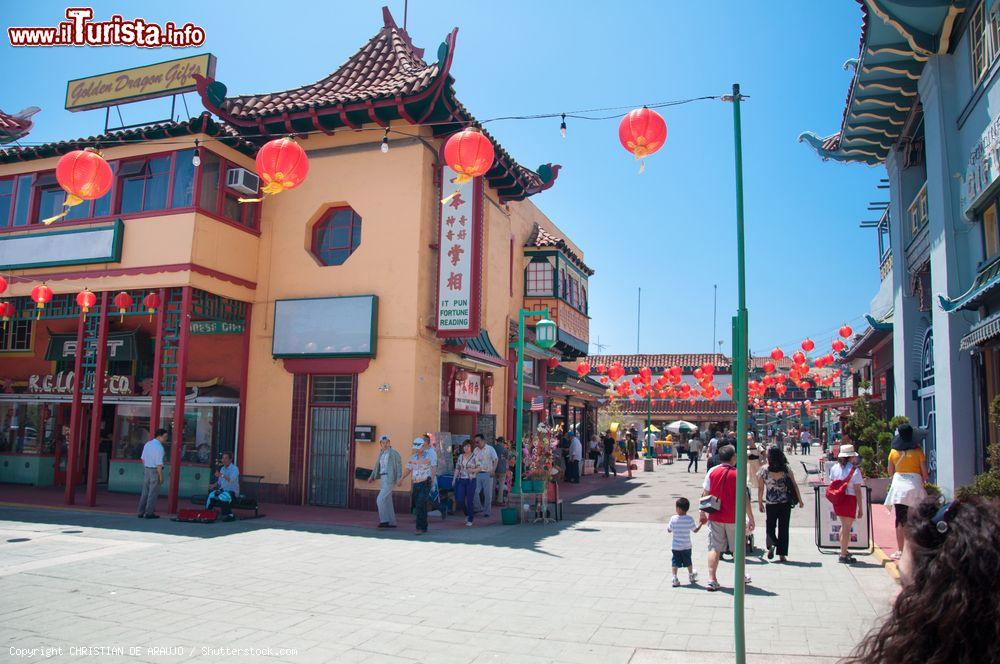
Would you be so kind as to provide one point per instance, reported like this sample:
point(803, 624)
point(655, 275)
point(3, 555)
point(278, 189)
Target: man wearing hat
point(388, 469)
point(420, 465)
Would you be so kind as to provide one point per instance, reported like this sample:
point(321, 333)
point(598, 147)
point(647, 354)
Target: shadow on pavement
point(523, 536)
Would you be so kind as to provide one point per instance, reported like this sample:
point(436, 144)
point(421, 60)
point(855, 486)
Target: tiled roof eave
point(884, 85)
point(202, 124)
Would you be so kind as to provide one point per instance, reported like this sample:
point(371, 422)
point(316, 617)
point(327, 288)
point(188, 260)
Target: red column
point(75, 423)
point(244, 379)
point(179, 391)
point(154, 397)
point(95, 413)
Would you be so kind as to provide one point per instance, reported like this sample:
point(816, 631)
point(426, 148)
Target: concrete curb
point(887, 562)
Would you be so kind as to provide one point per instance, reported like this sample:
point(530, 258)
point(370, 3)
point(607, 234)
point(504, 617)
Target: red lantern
point(470, 154)
point(6, 311)
point(676, 371)
point(151, 303)
point(604, 380)
point(828, 359)
point(799, 357)
point(820, 361)
point(808, 345)
point(582, 369)
point(553, 362)
point(777, 354)
point(708, 368)
point(282, 164)
point(84, 176)
point(41, 295)
point(837, 345)
point(3, 285)
point(645, 374)
point(602, 369)
point(642, 132)
point(769, 367)
point(123, 301)
point(780, 388)
point(86, 299)
point(729, 389)
point(697, 373)
point(846, 331)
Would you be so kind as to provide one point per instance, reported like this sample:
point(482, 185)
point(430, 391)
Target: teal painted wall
point(126, 477)
point(24, 469)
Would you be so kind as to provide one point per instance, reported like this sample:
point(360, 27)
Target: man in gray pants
point(388, 469)
point(152, 474)
point(486, 457)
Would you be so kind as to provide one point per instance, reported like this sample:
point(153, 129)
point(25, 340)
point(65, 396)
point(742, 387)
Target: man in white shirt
point(713, 444)
point(227, 481)
point(486, 458)
point(152, 474)
point(575, 457)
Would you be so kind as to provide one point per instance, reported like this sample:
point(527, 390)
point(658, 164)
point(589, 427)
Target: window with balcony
point(984, 40)
point(336, 236)
point(539, 279)
point(145, 184)
point(918, 211)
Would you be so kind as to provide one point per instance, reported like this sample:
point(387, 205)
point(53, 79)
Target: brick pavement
point(593, 588)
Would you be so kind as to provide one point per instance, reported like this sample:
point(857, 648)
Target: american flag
point(537, 403)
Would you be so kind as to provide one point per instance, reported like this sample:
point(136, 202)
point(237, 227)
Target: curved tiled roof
point(388, 65)
point(202, 124)
point(896, 40)
point(686, 361)
point(384, 81)
point(681, 409)
point(541, 238)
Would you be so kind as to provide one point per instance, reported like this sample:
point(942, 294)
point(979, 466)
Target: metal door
point(329, 447)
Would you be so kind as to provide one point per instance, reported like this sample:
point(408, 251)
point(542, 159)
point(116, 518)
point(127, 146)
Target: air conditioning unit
point(242, 181)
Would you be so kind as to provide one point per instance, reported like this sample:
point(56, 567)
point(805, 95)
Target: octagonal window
point(336, 235)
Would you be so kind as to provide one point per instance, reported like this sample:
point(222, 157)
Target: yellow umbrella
point(653, 428)
point(614, 428)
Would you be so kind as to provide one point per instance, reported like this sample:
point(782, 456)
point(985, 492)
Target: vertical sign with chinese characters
point(460, 257)
point(469, 394)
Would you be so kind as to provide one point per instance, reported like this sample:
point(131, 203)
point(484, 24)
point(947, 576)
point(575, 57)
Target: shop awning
point(983, 331)
point(563, 379)
point(478, 348)
point(122, 346)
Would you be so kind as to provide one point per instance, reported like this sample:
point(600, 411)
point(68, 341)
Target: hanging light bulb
point(196, 159)
point(385, 141)
point(562, 126)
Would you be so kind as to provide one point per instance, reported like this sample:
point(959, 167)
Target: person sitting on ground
point(682, 525)
point(226, 487)
point(947, 609)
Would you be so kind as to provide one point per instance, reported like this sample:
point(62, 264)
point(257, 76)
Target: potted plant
point(537, 462)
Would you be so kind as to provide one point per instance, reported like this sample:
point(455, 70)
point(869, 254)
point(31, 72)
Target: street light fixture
point(545, 337)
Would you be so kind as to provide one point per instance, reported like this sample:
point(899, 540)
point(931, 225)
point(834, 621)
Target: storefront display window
point(28, 428)
point(208, 431)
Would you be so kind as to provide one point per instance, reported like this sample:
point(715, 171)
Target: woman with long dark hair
point(947, 611)
point(908, 470)
point(777, 492)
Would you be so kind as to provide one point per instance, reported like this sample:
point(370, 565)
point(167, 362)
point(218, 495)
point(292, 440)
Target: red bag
point(197, 516)
point(843, 503)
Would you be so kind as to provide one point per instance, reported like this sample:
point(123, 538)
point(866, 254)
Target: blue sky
point(670, 230)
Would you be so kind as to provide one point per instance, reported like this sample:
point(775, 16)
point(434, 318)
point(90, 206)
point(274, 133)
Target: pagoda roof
point(202, 124)
point(661, 408)
point(386, 80)
point(686, 361)
point(897, 39)
point(542, 239)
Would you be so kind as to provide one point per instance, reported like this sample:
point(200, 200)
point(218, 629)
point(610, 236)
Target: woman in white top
point(846, 469)
point(466, 469)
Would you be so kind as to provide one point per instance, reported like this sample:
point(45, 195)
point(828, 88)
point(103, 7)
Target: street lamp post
point(545, 337)
point(740, 351)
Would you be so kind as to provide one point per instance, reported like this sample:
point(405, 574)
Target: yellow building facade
point(302, 327)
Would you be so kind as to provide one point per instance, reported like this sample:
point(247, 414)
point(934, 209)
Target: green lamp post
point(545, 337)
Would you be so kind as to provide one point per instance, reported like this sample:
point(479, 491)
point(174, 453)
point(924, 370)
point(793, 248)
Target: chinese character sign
point(469, 393)
point(459, 260)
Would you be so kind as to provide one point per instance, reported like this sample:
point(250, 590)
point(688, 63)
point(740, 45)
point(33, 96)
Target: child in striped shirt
point(682, 525)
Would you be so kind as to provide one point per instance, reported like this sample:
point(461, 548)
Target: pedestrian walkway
point(592, 588)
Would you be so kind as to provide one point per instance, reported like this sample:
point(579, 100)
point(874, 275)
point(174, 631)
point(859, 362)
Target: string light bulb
point(562, 126)
point(385, 141)
point(196, 159)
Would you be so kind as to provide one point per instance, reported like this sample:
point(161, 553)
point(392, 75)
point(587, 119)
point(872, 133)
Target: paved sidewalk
point(593, 588)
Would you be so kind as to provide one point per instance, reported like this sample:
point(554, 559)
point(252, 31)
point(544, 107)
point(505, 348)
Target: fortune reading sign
point(460, 261)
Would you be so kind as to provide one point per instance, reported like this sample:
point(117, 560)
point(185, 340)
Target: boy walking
point(682, 525)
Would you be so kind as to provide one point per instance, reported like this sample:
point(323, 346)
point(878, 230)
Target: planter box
point(532, 486)
point(879, 487)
